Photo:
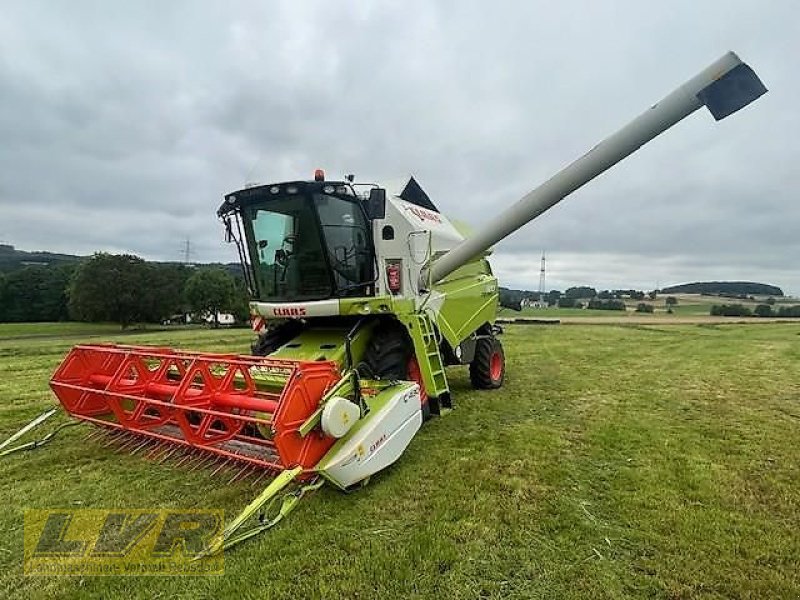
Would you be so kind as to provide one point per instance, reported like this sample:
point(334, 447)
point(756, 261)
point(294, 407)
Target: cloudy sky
point(123, 124)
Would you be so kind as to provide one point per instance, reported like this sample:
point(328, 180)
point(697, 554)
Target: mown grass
point(17, 330)
point(555, 312)
point(618, 461)
point(689, 305)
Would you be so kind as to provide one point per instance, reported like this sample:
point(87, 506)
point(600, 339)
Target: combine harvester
point(361, 296)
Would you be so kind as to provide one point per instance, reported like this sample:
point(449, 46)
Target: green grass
point(17, 330)
point(691, 310)
point(689, 305)
point(555, 312)
point(617, 461)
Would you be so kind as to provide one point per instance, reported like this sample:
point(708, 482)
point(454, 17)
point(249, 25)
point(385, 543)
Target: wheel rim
point(496, 367)
point(415, 374)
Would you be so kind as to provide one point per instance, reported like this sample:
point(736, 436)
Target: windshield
point(309, 248)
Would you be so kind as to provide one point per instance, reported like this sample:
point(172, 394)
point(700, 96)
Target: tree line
point(729, 289)
point(762, 310)
point(582, 297)
point(120, 288)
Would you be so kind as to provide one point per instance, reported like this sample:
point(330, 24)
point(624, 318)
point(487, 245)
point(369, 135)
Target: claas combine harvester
point(361, 296)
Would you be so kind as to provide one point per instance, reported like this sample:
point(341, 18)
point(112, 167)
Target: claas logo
point(424, 215)
point(289, 311)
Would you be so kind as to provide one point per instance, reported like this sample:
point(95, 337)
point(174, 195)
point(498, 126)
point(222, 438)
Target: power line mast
point(542, 279)
point(187, 251)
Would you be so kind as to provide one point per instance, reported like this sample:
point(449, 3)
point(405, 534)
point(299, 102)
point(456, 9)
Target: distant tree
point(652, 295)
point(644, 308)
point(35, 293)
point(636, 295)
point(597, 304)
point(671, 301)
point(763, 310)
point(3, 298)
point(565, 302)
point(53, 293)
point(605, 295)
point(789, 311)
point(553, 297)
point(726, 288)
point(163, 296)
point(110, 287)
point(210, 292)
point(731, 310)
point(241, 304)
point(770, 301)
point(580, 292)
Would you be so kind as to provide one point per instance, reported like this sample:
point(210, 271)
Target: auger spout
point(725, 86)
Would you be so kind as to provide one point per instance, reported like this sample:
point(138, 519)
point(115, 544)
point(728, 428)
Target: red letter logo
point(289, 311)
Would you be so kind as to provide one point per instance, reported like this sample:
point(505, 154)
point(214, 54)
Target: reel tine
point(194, 460)
point(132, 441)
point(167, 455)
point(145, 444)
point(124, 439)
point(214, 462)
point(156, 451)
point(184, 459)
point(167, 450)
point(248, 479)
point(260, 477)
point(100, 434)
point(93, 434)
point(239, 475)
point(205, 462)
point(115, 437)
point(144, 447)
point(221, 466)
point(232, 478)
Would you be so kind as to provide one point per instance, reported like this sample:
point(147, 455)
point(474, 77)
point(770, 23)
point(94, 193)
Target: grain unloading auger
point(362, 295)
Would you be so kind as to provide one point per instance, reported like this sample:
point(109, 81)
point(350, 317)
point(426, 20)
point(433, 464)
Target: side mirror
point(376, 204)
point(228, 231)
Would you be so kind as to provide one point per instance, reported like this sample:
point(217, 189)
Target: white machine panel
point(384, 435)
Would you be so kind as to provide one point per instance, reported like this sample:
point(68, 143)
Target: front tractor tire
point(390, 356)
point(487, 371)
point(275, 337)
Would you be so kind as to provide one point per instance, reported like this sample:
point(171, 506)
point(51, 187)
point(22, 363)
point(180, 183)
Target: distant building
point(186, 319)
point(222, 319)
point(532, 303)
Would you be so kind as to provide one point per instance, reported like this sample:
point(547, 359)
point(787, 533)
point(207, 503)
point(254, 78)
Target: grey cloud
point(123, 124)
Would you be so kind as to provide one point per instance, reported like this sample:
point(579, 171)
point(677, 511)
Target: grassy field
point(29, 330)
point(618, 461)
point(689, 305)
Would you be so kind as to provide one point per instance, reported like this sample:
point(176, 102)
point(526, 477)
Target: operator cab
point(302, 240)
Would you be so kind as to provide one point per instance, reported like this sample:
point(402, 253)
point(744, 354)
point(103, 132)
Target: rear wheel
point(390, 356)
point(488, 368)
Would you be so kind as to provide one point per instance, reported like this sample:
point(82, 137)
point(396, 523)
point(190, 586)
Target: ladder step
point(430, 346)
